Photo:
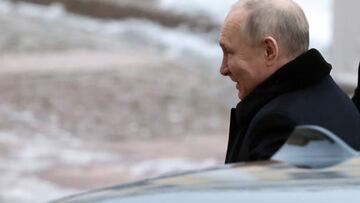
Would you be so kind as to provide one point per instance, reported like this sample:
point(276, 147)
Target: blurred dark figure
point(356, 98)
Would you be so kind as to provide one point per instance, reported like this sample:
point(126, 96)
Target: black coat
point(356, 97)
point(300, 93)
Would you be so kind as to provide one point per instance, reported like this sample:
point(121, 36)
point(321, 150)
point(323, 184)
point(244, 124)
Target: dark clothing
point(300, 93)
point(356, 98)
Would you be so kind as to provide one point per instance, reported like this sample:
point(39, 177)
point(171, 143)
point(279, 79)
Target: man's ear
point(271, 50)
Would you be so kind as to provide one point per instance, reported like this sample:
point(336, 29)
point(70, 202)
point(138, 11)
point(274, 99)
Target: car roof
point(235, 180)
point(313, 163)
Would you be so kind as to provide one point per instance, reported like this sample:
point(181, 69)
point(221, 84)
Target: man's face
point(244, 64)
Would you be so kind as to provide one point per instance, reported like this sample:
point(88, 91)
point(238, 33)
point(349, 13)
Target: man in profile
point(281, 82)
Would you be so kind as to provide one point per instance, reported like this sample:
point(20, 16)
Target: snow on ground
point(79, 110)
point(89, 33)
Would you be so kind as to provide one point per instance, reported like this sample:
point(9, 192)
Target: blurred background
point(101, 92)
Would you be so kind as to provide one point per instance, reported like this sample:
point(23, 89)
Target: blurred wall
point(346, 41)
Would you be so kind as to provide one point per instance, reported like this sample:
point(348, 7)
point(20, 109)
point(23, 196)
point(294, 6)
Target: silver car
point(313, 166)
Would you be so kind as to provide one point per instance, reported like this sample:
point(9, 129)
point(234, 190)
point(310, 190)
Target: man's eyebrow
point(224, 46)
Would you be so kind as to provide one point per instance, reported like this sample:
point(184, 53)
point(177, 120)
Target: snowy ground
point(86, 103)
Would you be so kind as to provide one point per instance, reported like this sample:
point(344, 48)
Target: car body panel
point(243, 181)
point(307, 170)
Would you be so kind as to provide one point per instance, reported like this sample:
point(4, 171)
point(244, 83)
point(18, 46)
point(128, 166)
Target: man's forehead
point(234, 19)
point(232, 24)
point(238, 13)
point(224, 39)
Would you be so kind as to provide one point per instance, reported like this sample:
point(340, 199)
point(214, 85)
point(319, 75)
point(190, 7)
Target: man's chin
point(240, 95)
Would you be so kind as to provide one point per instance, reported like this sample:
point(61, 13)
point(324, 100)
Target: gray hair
point(283, 20)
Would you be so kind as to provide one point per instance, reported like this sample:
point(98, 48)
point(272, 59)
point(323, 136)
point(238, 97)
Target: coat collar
point(304, 71)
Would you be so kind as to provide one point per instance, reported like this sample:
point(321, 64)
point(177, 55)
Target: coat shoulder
point(323, 104)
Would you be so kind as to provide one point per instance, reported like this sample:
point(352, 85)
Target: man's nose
point(224, 69)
